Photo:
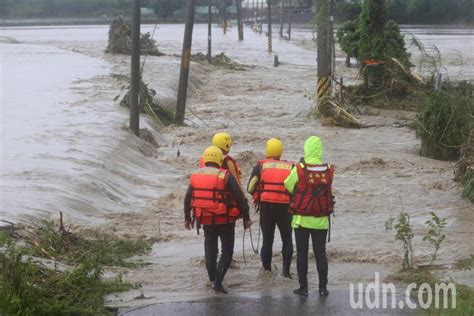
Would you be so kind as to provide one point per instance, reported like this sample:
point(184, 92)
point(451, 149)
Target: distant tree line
point(402, 11)
point(431, 11)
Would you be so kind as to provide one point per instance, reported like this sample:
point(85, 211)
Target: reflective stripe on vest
point(313, 193)
point(209, 195)
point(271, 187)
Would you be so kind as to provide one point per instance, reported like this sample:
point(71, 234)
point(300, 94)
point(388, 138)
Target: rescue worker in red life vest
point(216, 201)
point(224, 142)
point(267, 187)
point(310, 183)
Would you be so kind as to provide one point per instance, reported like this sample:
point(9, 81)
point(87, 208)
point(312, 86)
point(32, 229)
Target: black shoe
point(302, 291)
point(219, 288)
point(286, 275)
point(323, 292)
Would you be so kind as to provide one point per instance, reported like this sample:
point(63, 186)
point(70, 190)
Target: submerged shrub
point(443, 125)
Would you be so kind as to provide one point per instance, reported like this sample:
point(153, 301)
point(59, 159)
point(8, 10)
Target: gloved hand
point(247, 224)
point(187, 224)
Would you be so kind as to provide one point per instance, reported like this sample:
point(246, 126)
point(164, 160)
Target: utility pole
point(261, 17)
point(253, 12)
point(240, 25)
point(209, 30)
point(135, 70)
point(289, 20)
point(281, 18)
point(224, 15)
point(185, 61)
point(324, 49)
point(269, 9)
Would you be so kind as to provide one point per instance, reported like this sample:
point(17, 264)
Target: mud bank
point(113, 180)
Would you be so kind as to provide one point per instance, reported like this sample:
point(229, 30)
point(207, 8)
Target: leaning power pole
point(185, 61)
point(324, 53)
point(135, 70)
point(269, 34)
point(240, 25)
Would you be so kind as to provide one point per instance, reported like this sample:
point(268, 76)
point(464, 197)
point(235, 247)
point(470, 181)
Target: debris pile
point(334, 113)
point(120, 40)
point(220, 60)
point(149, 104)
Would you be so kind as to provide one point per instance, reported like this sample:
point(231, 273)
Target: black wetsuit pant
point(318, 237)
point(272, 214)
point(226, 233)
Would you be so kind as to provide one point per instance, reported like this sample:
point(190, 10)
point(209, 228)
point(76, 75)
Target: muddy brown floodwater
point(133, 189)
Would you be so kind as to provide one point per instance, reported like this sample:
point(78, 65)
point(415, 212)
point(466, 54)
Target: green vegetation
point(29, 287)
point(69, 248)
point(348, 38)
point(465, 264)
point(435, 234)
point(420, 275)
point(425, 274)
point(404, 233)
point(465, 165)
point(148, 104)
point(444, 125)
point(378, 43)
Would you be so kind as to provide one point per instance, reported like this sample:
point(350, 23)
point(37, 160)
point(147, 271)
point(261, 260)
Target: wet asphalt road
point(337, 303)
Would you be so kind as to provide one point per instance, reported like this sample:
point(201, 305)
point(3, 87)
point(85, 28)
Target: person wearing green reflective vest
point(310, 184)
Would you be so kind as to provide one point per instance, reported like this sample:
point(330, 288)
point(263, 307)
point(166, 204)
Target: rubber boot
point(301, 291)
point(286, 269)
point(217, 285)
point(323, 291)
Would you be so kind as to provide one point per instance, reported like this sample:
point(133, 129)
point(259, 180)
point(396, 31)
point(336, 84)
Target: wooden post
point(289, 20)
point(323, 48)
point(209, 30)
point(135, 70)
point(269, 34)
point(240, 26)
point(185, 61)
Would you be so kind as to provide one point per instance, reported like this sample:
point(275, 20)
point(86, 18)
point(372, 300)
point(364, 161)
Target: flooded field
point(64, 148)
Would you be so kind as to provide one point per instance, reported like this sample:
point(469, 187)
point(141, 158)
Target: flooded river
point(64, 148)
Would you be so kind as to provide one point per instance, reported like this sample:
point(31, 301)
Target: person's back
point(310, 183)
point(216, 201)
point(267, 187)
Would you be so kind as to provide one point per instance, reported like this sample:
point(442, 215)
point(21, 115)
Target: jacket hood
point(313, 150)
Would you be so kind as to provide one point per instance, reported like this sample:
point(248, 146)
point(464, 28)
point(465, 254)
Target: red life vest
point(202, 164)
point(211, 202)
point(313, 193)
point(271, 185)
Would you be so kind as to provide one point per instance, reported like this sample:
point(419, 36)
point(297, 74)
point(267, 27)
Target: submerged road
point(337, 303)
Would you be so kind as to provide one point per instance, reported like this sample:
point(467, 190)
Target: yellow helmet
point(222, 140)
point(274, 148)
point(213, 154)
